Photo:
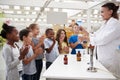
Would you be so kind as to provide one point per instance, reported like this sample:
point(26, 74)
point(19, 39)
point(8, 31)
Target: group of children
point(27, 60)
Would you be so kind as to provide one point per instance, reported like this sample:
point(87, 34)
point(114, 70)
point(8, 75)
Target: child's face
point(62, 34)
point(50, 34)
point(36, 30)
point(75, 28)
point(14, 35)
point(28, 39)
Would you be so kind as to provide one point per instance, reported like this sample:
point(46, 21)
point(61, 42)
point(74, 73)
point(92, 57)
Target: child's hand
point(24, 51)
point(41, 39)
point(66, 49)
point(38, 51)
point(53, 39)
point(80, 38)
point(26, 61)
point(85, 38)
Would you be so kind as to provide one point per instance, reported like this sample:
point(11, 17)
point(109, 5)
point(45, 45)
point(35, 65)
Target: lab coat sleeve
point(107, 36)
point(8, 56)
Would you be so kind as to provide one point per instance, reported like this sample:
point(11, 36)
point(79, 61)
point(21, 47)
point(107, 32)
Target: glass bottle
point(78, 56)
point(65, 59)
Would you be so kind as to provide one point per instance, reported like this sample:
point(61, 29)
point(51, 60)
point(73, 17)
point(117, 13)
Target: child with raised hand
point(51, 47)
point(37, 43)
point(11, 53)
point(29, 66)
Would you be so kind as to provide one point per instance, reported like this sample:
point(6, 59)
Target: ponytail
point(5, 30)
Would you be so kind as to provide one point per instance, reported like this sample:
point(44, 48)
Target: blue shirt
point(73, 39)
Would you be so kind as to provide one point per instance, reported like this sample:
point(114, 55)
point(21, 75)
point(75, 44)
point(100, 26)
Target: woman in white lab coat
point(107, 39)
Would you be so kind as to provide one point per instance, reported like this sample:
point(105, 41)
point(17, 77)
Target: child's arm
point(37, 47)
point(73, 45)
point(51, 47)
point(80, 40)
point(40, 44)
point(28, 60)
point(8, 56)
point(41, 39)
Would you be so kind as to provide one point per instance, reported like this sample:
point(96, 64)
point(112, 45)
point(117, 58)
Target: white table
point(76, 70)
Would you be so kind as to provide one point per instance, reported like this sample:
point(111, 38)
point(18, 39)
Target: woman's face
point(28, 39)
point(62, 35)
point(14, 36)
point(106, 13)
point(36, 30)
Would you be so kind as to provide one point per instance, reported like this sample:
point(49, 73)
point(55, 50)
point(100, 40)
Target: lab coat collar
point(110, 20)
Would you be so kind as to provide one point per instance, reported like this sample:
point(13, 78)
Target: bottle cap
point(65, 55)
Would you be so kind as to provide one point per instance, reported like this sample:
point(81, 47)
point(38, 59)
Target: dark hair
point(24, 32)
point(58, 36)
point(76, 24)
point(32, 26)
point(6, 29)
point(48, 30)
point(112, 6)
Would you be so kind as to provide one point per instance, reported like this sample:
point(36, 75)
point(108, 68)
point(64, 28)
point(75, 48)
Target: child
point(61, 37)
point(11, 53)
point(75, 41)
point(29, 67)
point(37, 43)
point(51, 47)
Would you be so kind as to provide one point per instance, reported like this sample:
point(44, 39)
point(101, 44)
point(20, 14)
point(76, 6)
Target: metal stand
point(91, 68)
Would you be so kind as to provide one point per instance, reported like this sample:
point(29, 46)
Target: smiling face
point(13, 36)
point(62, 35)
point(106, 13)
point(26, 36)
point(50, 34)
point(76, 29)
point(28, 39)
point(36, 30)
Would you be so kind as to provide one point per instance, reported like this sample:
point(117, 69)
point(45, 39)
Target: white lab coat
point(107, 39)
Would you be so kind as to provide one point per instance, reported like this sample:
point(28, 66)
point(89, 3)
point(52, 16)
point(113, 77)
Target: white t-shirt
point(16, 54)
point(29, 68)
point(50, 57)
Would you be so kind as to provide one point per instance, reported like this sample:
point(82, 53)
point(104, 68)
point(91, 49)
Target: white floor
point(2, 68)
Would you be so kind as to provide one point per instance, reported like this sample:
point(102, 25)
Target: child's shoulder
point(47, 39)
point(73, 36)
point(6, 47)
